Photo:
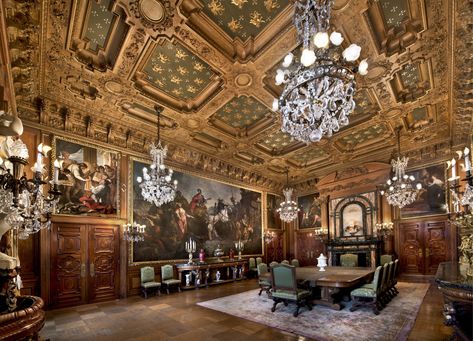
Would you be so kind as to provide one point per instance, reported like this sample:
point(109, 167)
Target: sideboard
point(202, 274)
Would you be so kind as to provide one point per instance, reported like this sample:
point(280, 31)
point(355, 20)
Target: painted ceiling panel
point(395, 12)
point(242, 112)
point(178, 72)
point(309, 154)
point(99, 23)
point(364, 134)
point(276, 140)
point(243, 18)
point(410, 75)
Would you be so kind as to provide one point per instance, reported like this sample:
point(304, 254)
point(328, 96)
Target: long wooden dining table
point(331, 282)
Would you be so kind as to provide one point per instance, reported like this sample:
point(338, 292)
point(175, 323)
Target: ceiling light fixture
point(156, 185)
point(319, 87)
point(401, 190)
point(288, 208)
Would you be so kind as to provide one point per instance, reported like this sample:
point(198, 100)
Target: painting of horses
point(88, 179)
point(211, 213)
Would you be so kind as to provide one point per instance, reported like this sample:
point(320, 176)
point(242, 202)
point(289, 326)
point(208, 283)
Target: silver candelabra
point(239, 245)
point(190, 248)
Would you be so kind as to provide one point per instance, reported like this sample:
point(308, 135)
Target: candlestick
point(57, 165)
point(454, 170)
point(466, 152)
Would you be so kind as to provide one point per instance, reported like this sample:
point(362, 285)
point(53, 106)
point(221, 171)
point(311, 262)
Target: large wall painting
point(310, 212)
point(431, 198)
point(272, 216)
point(211, 213)
point(88, 179)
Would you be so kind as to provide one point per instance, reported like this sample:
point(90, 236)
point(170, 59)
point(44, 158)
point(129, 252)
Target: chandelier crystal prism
point(319, 87)
point(288, 208)
point(156, 184)
point(401, 188)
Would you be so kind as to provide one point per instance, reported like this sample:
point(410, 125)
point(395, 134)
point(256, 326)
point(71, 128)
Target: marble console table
point(457, 290)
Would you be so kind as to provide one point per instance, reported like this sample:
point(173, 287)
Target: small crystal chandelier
point(22, 201)
point(134, 232)
point(401, 190)
point(318, 94)
point(268, 237)
point(288, 208)
point(156, 185)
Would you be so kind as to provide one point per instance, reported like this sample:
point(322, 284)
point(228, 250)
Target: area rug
point(324, 324)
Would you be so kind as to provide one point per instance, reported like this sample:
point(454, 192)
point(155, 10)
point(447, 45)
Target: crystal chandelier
point(156, 185)
point(318, 94)
point(23, 203)
point(268, 237)
point(134, 232)
point(288, 208)
point(401, 190)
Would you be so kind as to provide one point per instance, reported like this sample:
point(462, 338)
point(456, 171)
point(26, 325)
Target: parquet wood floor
point(176, 317)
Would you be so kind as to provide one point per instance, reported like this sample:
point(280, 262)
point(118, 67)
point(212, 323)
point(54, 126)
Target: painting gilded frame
point(100, 195)
point(432, 199)
point(273, 222)
point(134, 197)
point(310, 211)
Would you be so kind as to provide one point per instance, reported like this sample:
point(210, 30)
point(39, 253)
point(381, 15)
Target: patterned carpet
point(393, 323)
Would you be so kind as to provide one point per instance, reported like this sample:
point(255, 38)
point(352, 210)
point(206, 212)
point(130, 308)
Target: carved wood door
point(68, 265)
point(103, 263)
point(436, 246)
point(411, 244)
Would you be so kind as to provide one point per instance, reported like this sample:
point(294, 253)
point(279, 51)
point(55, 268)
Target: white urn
point(322, 262)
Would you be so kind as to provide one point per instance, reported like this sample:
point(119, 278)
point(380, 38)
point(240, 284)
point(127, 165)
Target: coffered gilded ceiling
point(98, 68)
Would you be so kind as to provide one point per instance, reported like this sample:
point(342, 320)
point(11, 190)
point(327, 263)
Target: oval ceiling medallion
point(152, 10)
point(192, 123)
point(114, 87)
point(243, 79)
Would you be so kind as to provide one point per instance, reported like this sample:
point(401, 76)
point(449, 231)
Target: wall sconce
point(384, 229)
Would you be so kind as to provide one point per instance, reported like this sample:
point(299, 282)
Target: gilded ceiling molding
point(156, 15)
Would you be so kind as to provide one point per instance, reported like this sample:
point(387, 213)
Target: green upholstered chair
point(285, 288)
point(167, 278)
point(147, 281)
point(386, 259)
point(368, 294)
point(273, 263)
point(388, 288)
point(383, 286)
point(394, 279)
point(259, 260)
point(253, 270)
point(349, 259)
point(285, 262)
point(264, 281)
point(295, 262)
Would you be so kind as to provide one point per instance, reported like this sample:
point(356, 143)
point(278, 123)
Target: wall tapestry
point(88, 179)
point(310, 211)
point(272, 216)
point(211, 213)
point(431, 198)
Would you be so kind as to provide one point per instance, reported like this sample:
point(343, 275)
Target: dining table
point(329, 286)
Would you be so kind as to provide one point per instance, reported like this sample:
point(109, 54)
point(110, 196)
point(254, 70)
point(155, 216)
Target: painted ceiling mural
point(143, 56)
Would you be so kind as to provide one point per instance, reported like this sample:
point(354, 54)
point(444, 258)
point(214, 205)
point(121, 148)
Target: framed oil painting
point(310, 211)
point(88, 179)
point(212, 213)
point(431, 199)
point(272, 216)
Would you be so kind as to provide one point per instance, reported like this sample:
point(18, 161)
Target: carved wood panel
point(308, 248)
point(68, 265)
point(436, 246)
point(411, 241)
point(275, 249)
point(103, 263)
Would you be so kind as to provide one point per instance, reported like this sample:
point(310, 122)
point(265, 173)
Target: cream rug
point(393, 323)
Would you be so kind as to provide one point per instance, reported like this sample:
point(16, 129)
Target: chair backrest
point(252, 263)
point(295, 262)
point(390, 273)
point(384, 277)
point(285, 262)
point(349, 259)
point(284, 277)
point(259, 260)
point(273, 263)
point(386, 259)
point(147, 274)
point(376, 278)
point(262, 268)
point(167, 272)
point(396, 264)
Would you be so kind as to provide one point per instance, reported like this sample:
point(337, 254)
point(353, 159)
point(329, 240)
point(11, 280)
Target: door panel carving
point(412, 260)
point(436, 248)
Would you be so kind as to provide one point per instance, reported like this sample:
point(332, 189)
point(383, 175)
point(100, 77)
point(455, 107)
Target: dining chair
point(295, 262)
point(264, 281)
point(349, 259)
point(167, 278)
point(259, 260)
point(148, 282)
point(394, 279)
point(283, 278)
point(368, 294)
point(386, 259)
point(273, 263)
point(285, 262)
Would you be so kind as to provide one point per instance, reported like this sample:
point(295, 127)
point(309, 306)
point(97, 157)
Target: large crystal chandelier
point(23, 203)
point(288, 208)
point(401, 189)
point(319, 87)
point(156, 184)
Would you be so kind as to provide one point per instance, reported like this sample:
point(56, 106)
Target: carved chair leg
point(274, 305)
point(167, 290)
point(179, 288)
point(159, 291)
point(296, 313)
point(259, 294)
point(308, 304)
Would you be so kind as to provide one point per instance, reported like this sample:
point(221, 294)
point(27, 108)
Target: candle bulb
point(57, 165)
point(39, 159)
point(466, 152)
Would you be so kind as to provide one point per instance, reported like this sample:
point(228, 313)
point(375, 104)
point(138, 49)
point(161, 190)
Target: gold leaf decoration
point(216, 7)
point(256, 19)
point(239, 3)
point(270, 5)
point(234, 25)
